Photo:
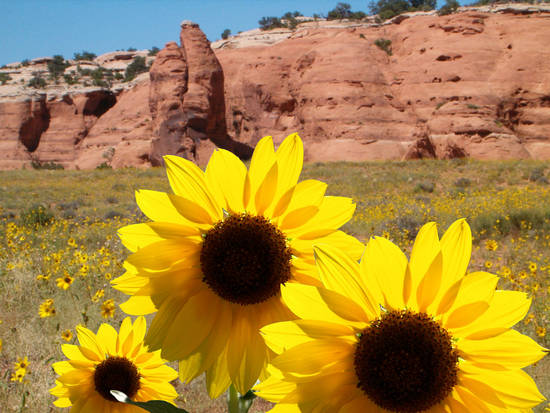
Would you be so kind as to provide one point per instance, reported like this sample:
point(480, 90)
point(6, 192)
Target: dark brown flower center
point(245, 259)
point(116, 373)
point(405, 362)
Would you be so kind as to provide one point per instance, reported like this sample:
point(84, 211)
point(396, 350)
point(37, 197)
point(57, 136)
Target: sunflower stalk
point(237, 403)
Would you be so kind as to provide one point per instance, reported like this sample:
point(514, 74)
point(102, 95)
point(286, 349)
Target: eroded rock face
point(470, 84)
point(476, 84)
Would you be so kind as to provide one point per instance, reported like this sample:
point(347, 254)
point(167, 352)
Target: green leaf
point(152, 406)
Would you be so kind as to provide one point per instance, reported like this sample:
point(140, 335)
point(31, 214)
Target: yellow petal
point(425, 249)
point(262, 160)
point(188, 181)
point(138, 236)
point(158, 206)
point(217, 376)
point(464, 315)
point(107, 335)
point(286, 334)
point(340, 273)
point(514, 387)
point(456, 246)
point(210, 349)
point(384, 262)
point(305, 193)
point(227, 174)
point(138, 305)
point(511, 350)
point(190, 326)
point(506, 309)
point(163, 254)
point(320, 355)
point(429, 284)
point(334, 212)
point(266, 191)
point(290, 157)
point(162, 321)
point(471, 402)
point(303, 248)
point(88, 341)
point(317, 303)
point(246, 351)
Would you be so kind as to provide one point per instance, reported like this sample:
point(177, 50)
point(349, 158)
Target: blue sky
point(35, 28)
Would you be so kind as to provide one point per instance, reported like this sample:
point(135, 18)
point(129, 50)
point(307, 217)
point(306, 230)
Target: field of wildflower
point(59, 250)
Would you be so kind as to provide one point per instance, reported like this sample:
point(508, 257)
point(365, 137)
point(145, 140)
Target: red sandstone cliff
point(473, 84)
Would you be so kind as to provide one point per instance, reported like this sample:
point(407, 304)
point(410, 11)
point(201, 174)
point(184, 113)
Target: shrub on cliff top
point(84, 56)
point(135, 68)
point(343, 11)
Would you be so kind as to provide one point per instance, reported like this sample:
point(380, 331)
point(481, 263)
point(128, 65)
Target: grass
point(508, 211)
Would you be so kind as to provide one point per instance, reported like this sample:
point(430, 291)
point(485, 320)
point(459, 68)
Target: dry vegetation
point(74, 233)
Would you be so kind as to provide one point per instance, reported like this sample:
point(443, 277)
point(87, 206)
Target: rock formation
point(186, 100)
point(471, 84)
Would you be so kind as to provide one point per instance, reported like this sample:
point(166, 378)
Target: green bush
point(270, 22)
point(25, 62)
point(343, 11)
point(70, 79)
point(57, 66)
point(386, 9)
point(384, 44)
point(37, 82)
point(4, 77)
point(51, 166)
point(37, 215)
point(135, 68)
point(153, 51)
point(225, 34)
point(449, 7)
point(84, 56)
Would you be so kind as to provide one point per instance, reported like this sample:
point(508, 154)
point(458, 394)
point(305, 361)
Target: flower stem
point(237, 403)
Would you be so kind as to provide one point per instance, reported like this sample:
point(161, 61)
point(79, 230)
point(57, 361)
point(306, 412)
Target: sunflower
point(213, 261)
point(67, 335)
point(111, 361)
point(65, 281)
point(108, 309)
point(387, 335)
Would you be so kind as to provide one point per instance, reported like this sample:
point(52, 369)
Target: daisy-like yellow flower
point(65, 281)
point(111, 361)
point(67, 335)
point(97, 295)
point(46, 309)
point(213, 261)
point(491, 245)
point(391, 335)
point(108, 309)
point(18, 375)
point(21, 363)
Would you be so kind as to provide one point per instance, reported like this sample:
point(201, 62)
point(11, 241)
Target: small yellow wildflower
point(67, 335)
point(488, 264)
point(533, 267)
point(522, 275)
point(65, 281)
point(108, 275)
point(505, 271)
point(22, 363)
point(528, 319)
point(491, 245)
point(108, 309)
point(18, 375)
point(71, 242)
point(84, 270)
point(46, 309)
point(541, 331)
point(98, 294)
